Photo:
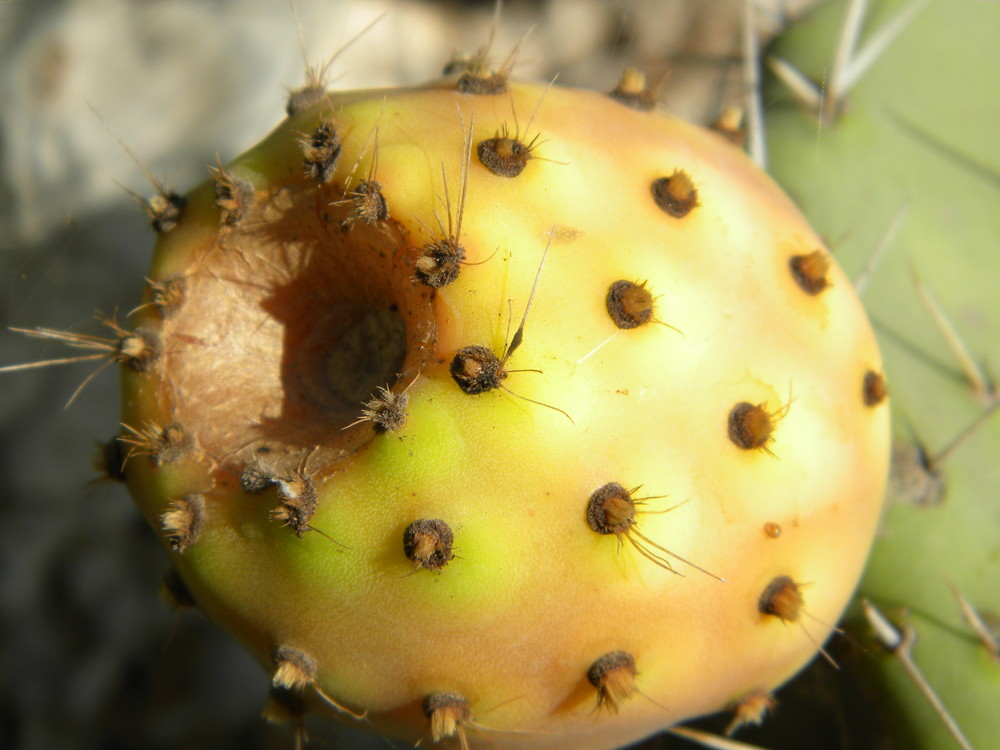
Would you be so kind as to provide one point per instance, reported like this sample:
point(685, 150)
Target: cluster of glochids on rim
point(313, 354)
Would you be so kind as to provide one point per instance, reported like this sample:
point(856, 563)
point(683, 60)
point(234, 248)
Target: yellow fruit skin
point(534, 596)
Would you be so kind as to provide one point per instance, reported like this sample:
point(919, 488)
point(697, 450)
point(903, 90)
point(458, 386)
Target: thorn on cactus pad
point(448, 714)
point(314, 90)
point(161, 444)
point(134, 349)
point(810, 271)
point(631, 90)
point(874, 390)
point(614, 677)
point(427, 543)
point(751, 708)
point(284, 705)
point(751, 426)
point(476, 369)
point(183, 521)
point(320, 152)
point(676, 195)
point(233, 195)
point(611, 509)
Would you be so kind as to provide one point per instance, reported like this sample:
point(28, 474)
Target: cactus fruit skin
point(917, 133)
point(743, 416)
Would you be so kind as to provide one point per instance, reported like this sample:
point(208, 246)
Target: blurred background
point(91, 658)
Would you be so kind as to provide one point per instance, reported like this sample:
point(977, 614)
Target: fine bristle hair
point(298, 501)
point(161, 444)
point(136, 349)
point(386, 411)
point(612, 509)
point(294, 669)
point(287, 707)
point(613, 675)
point(428, 543)
point(476, 77)
point(184, 521)
point(676, 195)
point(447, 713)
point(505, 155)
point(314, 90)
point(751, 427)
point(233, 194)
point(782, 598)
point(810, 271)
point(166, 207)
point(440, 261)
point(476, 369)
point(751, 708)
point(632, 91)
point(368, 203)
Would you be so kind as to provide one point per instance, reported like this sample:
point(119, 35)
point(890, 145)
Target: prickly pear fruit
point(909, 154)
point(548, 434)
